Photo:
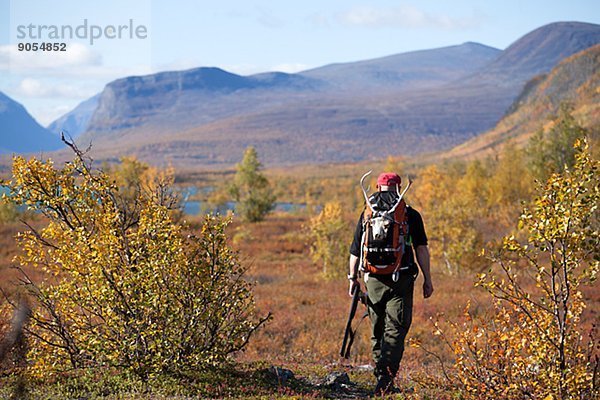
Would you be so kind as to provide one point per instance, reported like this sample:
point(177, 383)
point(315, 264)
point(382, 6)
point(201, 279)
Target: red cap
point(388, 179)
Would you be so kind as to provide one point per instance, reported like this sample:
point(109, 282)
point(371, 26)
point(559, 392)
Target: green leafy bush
point(251, 189)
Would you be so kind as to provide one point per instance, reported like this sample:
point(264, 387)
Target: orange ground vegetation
point(309, 312)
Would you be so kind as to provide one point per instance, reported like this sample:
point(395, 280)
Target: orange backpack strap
point(367, 214)
point(401, 217)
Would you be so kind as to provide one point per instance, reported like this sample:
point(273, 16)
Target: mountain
point(170, 102)
point(209, 112)
point(20, 132)
point(574, 81)
point(77, 120)
point(417, 69)
point(406, 104)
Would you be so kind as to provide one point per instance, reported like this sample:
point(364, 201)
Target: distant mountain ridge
point(20, 133)
point(413, 102)
point(414, 69)
point(155, 110)
point(177, 99)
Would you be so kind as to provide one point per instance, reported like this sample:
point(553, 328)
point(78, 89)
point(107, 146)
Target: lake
point(195, 207)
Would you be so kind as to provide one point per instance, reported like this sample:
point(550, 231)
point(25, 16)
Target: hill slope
point(574, 81)
point(539, 51)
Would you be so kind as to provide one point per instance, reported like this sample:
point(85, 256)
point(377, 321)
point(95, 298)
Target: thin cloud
point(290, 68)
point(404, 17)
point(243, 69)
point(268, 19)
point(35, 88)
point(47, 115)
point(77, 55)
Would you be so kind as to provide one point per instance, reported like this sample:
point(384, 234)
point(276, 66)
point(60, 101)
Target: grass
point(245, 381)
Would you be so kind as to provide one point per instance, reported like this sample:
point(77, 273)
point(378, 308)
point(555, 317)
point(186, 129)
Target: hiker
point(389, 280)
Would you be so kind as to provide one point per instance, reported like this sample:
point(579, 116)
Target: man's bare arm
point(423, 261)
point(353, 265)
point(352, 272)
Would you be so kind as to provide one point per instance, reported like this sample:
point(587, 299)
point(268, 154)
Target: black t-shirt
point(416, 229)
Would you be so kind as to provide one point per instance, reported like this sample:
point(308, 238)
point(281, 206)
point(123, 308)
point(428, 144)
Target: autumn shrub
point(534, 345)
point(451, 215)
point(8, 211)
point(135, 180)
point(550, 150)
point(508, 188)
point(251, 189)
point(329, 240)
point(126, 288)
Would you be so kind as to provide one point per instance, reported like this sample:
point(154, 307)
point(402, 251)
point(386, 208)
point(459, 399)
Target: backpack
point(384, 235)
point(384, 239)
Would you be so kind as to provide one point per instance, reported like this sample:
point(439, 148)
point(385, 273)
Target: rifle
point(349, 334)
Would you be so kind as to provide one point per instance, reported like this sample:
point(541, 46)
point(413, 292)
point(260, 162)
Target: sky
point(110, 39)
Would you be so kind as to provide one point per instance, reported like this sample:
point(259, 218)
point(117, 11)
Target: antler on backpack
point(400, 196)
point(362, 186)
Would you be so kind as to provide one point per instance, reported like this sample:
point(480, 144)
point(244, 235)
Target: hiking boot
point(385, 385)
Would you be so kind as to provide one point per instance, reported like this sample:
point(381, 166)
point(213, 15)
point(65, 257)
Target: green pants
point(390, 310)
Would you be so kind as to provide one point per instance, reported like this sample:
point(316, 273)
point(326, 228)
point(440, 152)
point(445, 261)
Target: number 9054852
point(44, 46)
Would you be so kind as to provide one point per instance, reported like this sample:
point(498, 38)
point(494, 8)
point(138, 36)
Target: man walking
point(388, 236)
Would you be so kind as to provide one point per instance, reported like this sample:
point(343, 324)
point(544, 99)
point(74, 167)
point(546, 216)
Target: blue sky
point(245, 37)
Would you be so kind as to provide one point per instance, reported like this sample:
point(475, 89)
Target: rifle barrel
point(348, 333)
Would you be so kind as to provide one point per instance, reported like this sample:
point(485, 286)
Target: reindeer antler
point(400, 195)
point(362, 186)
